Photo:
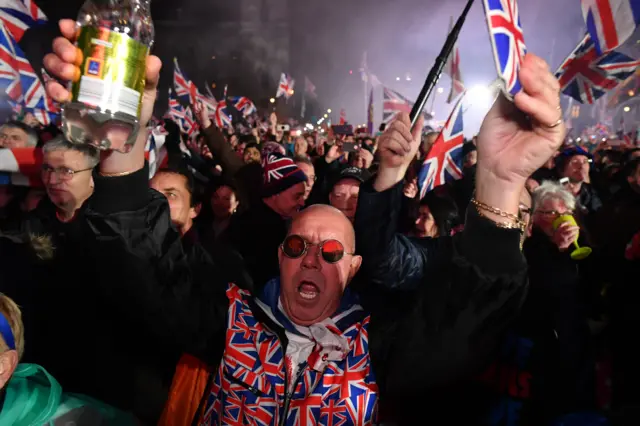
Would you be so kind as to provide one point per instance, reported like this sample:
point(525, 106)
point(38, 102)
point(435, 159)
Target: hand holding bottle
point(65, 62)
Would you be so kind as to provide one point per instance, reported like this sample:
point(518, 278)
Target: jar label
point(112, 71)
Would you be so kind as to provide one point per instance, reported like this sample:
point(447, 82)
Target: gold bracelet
point(116, 174)
point(481, 207)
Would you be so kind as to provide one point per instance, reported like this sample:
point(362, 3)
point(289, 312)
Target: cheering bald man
point(304, 351)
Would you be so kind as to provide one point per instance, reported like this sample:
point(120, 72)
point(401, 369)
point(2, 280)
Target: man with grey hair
point(15, 134)
point(67, 175)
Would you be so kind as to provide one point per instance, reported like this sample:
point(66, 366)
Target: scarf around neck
point(318, 344)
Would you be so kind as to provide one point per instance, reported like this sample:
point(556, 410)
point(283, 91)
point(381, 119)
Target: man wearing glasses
point(67, 177)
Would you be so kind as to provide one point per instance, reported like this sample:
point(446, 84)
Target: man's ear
point(356, 262)
point(8, 363)
point(195, 211)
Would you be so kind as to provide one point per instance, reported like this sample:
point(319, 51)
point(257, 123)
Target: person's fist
point(411, 189)
point(398, 145)
point(65, 61)
point(202, 115)
point(565, 235)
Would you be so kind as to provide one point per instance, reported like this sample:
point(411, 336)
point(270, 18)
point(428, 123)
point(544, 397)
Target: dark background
point(325, 40)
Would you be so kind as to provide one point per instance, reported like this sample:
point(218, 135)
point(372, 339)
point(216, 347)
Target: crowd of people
point(274, 278)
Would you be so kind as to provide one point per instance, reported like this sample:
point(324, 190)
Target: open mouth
point(308, 290)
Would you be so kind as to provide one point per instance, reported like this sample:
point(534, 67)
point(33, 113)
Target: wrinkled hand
point(65, 63)
point(511, 146)
point(202, 115)
point(334, 153)
point(397, 148)
point(565, 235)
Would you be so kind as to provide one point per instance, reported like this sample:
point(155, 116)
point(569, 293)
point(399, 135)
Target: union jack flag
point(176, 111)
point(507, 40)
point(209, 102)
point(610, 22)
point(285, 88)
point(185, 88)
point(222, 117)
point(9, 75)
point(189, 124)
point(33, 92)
point(20, 15)
point(585, 76)
point(453, 70)
point(243, 105)
point(444, 162)
point(393, 103)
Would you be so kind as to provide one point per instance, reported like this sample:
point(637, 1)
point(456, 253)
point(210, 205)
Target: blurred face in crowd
point(344, 197)
point(233, 141)
point(310, 172)
point(252, 155)
point(547, 212)
point(301, 147)
point(66, 179)
point(13, 137)
point(634, 179)
point(577, 169)
point(174, 187)
point(32, 199)
point(289, 202)
point(312, 284)
point(311, 142)
point(426, 224)
point(224, 202)
point(471, 159)
point(6, 195)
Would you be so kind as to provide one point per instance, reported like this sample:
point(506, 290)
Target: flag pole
point(436, 70)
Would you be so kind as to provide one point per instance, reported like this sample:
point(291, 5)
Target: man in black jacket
point(246, 338)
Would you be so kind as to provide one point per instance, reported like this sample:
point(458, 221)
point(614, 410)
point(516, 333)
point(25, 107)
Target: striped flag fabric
point(586, 76)
point(310, 88)
point(610, 22)
point(222, 118)
point(243, 105)
point(507, 41)
point(9, 75)
point(285, 87)
point(185, 88)
point(20, 15)
point(393, 103)
point(444, 161)
point(452, 69)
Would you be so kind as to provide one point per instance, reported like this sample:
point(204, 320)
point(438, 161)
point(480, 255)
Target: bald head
point(312, 283)
point(321, 218)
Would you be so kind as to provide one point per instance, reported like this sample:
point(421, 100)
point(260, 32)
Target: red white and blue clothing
point(274, 372)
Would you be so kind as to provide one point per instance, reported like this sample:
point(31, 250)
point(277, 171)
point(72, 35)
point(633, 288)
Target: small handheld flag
point(444, 162)
point(507, 41)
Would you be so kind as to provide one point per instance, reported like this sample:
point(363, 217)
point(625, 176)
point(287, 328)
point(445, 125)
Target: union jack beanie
point(279, 174)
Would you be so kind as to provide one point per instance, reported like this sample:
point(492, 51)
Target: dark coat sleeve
point(144, 269)
point(438, 307)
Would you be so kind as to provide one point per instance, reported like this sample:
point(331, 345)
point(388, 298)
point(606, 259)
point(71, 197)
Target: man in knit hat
point(257, 233)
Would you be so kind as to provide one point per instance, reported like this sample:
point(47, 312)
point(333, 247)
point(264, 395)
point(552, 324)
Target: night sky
point(328, 38)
